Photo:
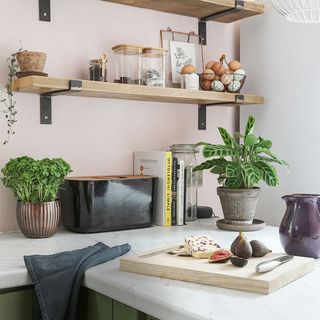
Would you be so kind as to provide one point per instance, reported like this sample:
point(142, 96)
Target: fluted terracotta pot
point(38, 220)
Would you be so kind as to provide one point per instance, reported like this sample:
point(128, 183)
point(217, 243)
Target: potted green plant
point(35, 184)
point(240, 167)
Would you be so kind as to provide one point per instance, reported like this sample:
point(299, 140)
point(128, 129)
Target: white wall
point(98, 136)
point(282, 62)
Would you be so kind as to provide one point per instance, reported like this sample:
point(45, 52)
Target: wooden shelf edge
point(47, 85)
point(198, 8)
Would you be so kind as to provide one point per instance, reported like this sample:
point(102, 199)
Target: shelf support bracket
point(44, 10)
point(45, 100)
point(202, 110)
point(202, 24)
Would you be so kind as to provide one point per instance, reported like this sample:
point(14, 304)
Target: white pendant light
point(302, 11)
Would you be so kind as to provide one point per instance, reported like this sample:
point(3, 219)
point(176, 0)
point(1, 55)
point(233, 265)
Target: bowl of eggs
point(221, 76)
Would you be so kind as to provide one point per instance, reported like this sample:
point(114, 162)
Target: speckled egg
point(234, 86)
point(218, 68)
point(239, 75)
point(208, 74)
point(206, 85)
point(217, 86)
point(234, 65)
point(227, 78)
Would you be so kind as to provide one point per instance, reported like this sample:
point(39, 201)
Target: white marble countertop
point(162, 298)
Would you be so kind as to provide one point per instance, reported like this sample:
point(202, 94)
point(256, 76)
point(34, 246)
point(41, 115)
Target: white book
point(158, 164)
point(180, 193)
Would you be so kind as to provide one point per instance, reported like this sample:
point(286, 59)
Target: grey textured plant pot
point(38, 220)
point(238, 205)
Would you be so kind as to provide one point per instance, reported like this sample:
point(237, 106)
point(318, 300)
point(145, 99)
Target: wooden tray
point(159, 263)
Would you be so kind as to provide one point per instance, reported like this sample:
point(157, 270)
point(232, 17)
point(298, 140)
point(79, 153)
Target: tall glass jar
point(128, 63)
point(154, 67)
point(187, 154)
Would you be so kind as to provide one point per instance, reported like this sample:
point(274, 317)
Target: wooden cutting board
point(159, 263)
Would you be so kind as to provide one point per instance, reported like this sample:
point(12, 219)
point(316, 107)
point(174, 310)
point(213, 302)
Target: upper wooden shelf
point(198, 8)
point(44, 85)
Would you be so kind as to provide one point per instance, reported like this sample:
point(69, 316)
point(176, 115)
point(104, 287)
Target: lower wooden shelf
point(96, 89)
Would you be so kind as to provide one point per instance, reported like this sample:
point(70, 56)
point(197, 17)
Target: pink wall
point(98, 136)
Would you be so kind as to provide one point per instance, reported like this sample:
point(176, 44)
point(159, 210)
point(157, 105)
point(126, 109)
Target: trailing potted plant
point(240, 167)
point(35, 184)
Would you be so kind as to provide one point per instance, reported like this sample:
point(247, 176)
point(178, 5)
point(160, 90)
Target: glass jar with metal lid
point(128, 61)
point(154, 67)
point(186, 153)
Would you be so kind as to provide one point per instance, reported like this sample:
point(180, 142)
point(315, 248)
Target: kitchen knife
point(271, 264)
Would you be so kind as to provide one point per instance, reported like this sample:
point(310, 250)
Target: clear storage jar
point(128, 61)
point(154, 67)
point(187, 153)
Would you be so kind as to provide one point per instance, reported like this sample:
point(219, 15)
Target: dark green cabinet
point(16, 304)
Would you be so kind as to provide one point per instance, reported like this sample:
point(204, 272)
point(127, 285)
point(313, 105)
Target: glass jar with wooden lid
point(154, 67)
point(128, 60)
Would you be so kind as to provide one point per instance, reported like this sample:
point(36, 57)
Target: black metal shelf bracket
point(45, 100)
point(202, 110)
point(202, 24)
point(44, 10)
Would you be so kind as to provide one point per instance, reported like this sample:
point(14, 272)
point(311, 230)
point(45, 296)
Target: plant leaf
point(269, 173)
point(202, 143)
point(251, 140)
point(233, 183)
point(238, 135)
point(271, 160)
point(209, 164)
point(228, 141)
point(252, 174)
point(267, 144)
point(217, 150)
point(233, 170)
point(250, 125)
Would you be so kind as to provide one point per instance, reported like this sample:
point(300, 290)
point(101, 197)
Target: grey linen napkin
point(57, 278)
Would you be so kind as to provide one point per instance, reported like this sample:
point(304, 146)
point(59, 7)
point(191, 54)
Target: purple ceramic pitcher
point(300, 227)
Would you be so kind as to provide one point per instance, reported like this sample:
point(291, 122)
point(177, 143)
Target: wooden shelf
point(96, 89)
point(198, 8)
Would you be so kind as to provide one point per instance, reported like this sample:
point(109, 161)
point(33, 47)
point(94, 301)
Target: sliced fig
point(238, 262)
point(241, 247)
point(259, 249)
point(220, 256)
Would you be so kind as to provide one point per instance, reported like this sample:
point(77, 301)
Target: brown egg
point(218, 68)
point(210, 64)
point(217, 78)
point(227, 78)
point(206, 85)
point(234, 65)
point(208, 74)
point(189, 68)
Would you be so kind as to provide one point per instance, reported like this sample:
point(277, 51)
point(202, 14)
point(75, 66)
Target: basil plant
point(241, 165)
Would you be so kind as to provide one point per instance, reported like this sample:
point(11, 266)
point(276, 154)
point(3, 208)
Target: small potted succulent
point(35, 184)
point(240, 167)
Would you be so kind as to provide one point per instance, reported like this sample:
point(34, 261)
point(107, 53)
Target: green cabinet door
point(146, 317)
point(123, 312)
point(94, 306)
point(16, 304)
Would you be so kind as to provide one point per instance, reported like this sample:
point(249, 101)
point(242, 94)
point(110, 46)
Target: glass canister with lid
point(154, 67)
point(128, 61)
point(186, 153)
point(98, 69)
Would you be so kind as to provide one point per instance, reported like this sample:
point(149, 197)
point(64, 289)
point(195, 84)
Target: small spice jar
point(128, 59)
point(154, 67)
point(98, 69)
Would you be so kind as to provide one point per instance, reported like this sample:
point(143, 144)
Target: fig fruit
point(220, 256)
point(238, 262)
point(259, 249)
point(240, 247)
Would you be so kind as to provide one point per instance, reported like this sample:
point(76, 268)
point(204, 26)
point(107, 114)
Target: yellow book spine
point(168, 182)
